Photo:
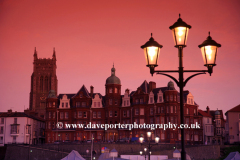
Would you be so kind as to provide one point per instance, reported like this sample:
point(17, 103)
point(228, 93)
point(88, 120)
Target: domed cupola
point(217, 112)
point(113, 79)
point(170, 86)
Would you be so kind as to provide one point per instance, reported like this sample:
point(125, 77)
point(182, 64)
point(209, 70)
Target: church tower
point(43, 80)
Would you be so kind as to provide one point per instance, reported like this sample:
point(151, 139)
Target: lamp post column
point(149, 150)
point(181, 85)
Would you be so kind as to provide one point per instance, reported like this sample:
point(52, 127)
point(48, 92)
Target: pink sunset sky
point(89, 36)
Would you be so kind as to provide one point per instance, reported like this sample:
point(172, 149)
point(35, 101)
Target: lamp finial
point(179, 15)
point(151, 34)
point(209, 33)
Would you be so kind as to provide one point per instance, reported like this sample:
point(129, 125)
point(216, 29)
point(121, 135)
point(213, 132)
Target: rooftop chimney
point(10, 111)
point(91, 90)
point(127, 90)
point(152, 85)
point(208, 110)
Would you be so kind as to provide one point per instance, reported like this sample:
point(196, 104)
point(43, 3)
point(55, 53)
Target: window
point(141, 121)
point(116, 102)
point(110, 113)
point(15, 120)
point(141, 101)
point(137, 101)
point(116, 90)
point(171, 120)
point(187, 120)
point(99, 114)
point(160, 98)
point(151, 100)
point(80, 95)
point(142, 111)
point(207, 120)
point(66, 105)
point(127, 102)
point(110, 90)
point(77, 104)
point(187, 110)
point(162, 120)
point(175, 109)
point(61, 115)
point(157, 120)
point(171, 108)
point(49, 115)
point(79, 114)
point(84, 114)
point(14, 129)
point(151, 111)
point(98, 104)
point(2, 120)
point(195, 112)
point(62, 105)
point(66, 115)
point(136, 121)
point(124, 103)
point(53, 114)
point(115, 113)
point(1, 140)
point(162, 110)
point(124, 113)
point(191, 101)
point(159, 110)
point(83, 104)
point(167, 98)
point(50, 104)
point(128, 113)
point(151, 120)
point(171, 97)
point(175, 98)
point(53, 104)
point(1, 131)
point(167, 109)
point(136, 111)
point(94, 115)
point(49, 125)
point(110, 101)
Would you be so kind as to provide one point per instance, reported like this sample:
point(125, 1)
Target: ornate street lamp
point(151, 51)
point(209, 49)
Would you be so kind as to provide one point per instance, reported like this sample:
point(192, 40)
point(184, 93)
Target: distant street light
point(149, 145)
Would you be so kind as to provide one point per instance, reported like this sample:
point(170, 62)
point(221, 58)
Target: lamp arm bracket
point(185, 82)
point(176, 81)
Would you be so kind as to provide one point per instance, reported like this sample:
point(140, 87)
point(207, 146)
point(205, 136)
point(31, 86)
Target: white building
point(208, 130)
point(19, 127)
point(233, 125)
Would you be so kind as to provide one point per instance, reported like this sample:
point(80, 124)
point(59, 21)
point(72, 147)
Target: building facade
point(20, 127)
point(208, 127)
point(148, 104)
point(43, 79)
point(233, 125)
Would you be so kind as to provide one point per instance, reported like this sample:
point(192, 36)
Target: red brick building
point(148, 104)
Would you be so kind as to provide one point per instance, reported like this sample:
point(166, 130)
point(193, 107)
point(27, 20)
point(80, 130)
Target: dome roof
point(113, 79)
point(170, 85)
point(52, 94)
point(217, 112)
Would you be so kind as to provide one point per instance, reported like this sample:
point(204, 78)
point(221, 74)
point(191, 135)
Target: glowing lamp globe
point(180, 32)
point(151, 51)
point(209, 49)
